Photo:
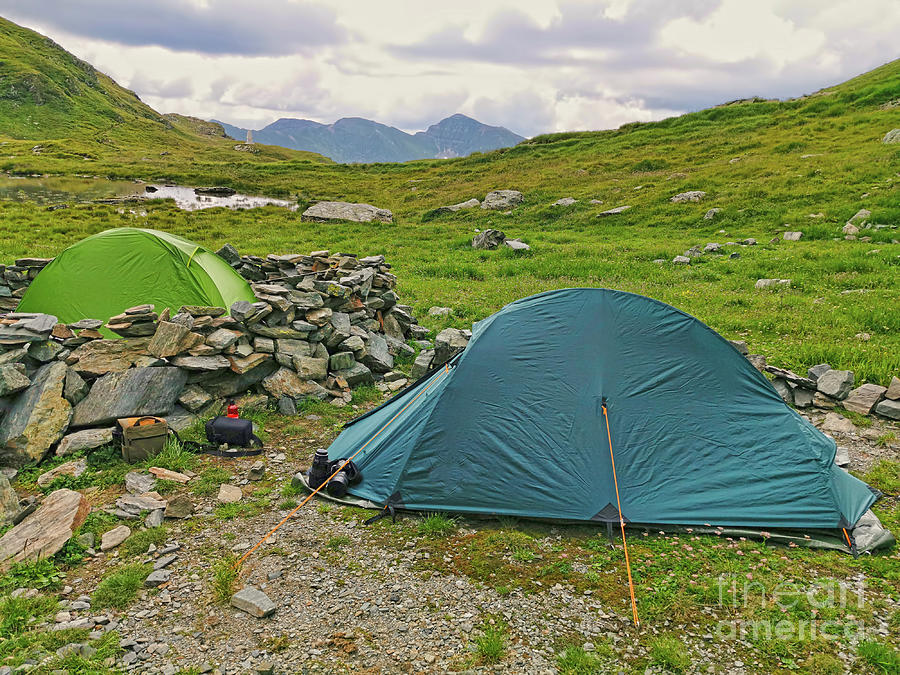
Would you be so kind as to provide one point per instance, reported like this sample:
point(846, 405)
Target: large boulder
point(86, 439)
point(835, 383)
point(864, 398)
point(139, 391)
point(285, 382)
point(322, 212)
point(100, 357)
point(226, 383)
point(37, 417)
point(500, 200)
point(893, 136)
point(46, 531)
point(168, 339)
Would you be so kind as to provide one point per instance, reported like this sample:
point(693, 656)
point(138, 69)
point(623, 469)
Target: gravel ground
point(367, 605)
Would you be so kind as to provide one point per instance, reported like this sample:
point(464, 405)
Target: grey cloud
point(149, 86)
point(265, 27)
point(525, 113)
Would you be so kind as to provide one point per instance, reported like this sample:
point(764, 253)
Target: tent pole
point(621, 519)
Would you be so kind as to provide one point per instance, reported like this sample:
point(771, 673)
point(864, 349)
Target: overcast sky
point(530, 65)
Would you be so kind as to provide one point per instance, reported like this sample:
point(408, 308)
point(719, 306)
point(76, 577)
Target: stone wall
point(322, 323)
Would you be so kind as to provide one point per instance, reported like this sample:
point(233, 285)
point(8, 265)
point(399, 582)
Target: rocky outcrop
point(37, 417)
point(323, 212)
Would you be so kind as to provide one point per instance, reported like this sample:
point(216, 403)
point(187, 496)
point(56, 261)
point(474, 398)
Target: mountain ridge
point(360, 140)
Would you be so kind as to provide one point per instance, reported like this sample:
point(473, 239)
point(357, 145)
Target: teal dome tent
point(106, 273)
point(515, 426)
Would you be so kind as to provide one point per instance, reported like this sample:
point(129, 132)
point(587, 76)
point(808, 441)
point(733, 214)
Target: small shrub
point(224, 579)
point(437, 525)
point(120, 588)
point(668, 652)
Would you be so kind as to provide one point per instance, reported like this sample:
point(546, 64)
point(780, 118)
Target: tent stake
point(612, 459)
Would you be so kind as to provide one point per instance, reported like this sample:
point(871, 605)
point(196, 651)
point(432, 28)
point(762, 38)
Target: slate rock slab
point(9, 502)
point(323, 212)
point(489, 239)
point(864, 398)
point(100, 357)
point(37, 417)
point(86, 439)
point(254, 602)
point(13, 379)
point(45, 531)
point(139, 391)
point(229, 494)
point(74, 469)
point(888, 408)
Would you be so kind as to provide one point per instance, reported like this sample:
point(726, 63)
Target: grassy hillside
point(807, 164)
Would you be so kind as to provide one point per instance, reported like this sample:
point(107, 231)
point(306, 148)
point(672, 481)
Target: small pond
point(64, 189)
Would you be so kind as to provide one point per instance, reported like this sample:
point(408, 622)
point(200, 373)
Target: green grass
point(437, 525)
point(208, 481)
point(121, 586)
point(491, 642)
point(880, 657)
point(174, 457)
point(339, 542)
point(574, 660)
point(140, 540)
point(39, 574)
point(670, 653)
point(224, 580)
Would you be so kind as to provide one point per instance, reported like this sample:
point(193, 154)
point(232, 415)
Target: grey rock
point(179, 506)
point(264, 345)
point(784, 390)
point(712, 247)
point(139, 482)
point(154, 518)
point(287, 406)
point(257, 470)
point(440, 311)
point(378, 358)
point(229, 494)
point(893, 136)
point(223, 338)
point(771, 283)
point(135, 392)
point(114, 537)
point(73, 469)
point(888, 408)
point(500, 200)
point(293, 347)
point(893, 390)
point(342, 361)
point(565, 201)
point(712, 213)
point(690, 196)
point(356, 375)
point(741, 346)
point(9, 502)
point(864, 398)
point(448, 343)
point(201, 363)
point(86, 439)
point(157, 578)
point(488, 239)
point(164, 561)
point(36, 418)
point(134, 504)
point(13, 379)
point(836, 423)
point(835, 383)
point(842, 456)
point(792, 236)
point(516, 245)
point(309, 368)
point(223, 384)
point(44, 351)
point(75, 388)
point(322, 212)
point(614, 212)
point(681, 260)
point(817, 371)
point(194, 398)
point(422, 364)
point(254, 602)
point(803, 398)
point(453, 208)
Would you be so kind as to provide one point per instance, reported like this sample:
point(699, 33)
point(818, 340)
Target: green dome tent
point(106, 273)
point(515, 426)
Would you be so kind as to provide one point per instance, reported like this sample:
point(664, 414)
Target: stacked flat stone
point(320, 324)
point(14, 280)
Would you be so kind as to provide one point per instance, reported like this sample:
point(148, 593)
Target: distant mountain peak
point(356, 139)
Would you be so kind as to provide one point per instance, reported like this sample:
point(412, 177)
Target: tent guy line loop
point(612, 459)
point(340, 468)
